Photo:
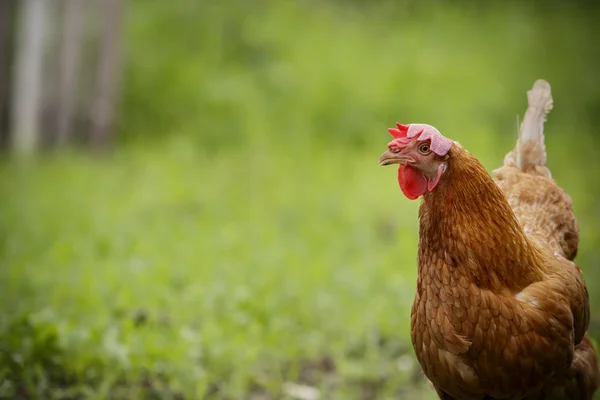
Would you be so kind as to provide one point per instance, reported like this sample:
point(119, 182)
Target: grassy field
point(241, 236)
point(219, 273)
point(153, 274)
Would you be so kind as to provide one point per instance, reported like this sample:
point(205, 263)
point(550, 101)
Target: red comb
point(400, 132)
point(440, 145)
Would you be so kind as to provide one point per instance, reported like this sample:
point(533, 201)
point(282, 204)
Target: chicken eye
point(424, 148)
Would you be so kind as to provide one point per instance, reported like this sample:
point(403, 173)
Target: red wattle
point(412, 182)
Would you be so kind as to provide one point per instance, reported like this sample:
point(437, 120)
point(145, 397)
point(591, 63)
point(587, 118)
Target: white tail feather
point(530, 149)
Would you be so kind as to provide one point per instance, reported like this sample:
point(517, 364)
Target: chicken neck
point(468, 230)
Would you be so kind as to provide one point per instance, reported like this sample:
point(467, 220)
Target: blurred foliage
point(237, 72)
point(242, 236)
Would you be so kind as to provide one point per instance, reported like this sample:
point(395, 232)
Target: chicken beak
point(391, 157)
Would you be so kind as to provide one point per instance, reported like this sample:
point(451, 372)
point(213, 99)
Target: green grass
point(242, 235)
point(160, 273)
point(230, 270)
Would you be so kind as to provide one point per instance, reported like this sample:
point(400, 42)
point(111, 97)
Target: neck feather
point(468, 228)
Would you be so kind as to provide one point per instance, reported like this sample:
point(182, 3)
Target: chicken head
point(422, 152)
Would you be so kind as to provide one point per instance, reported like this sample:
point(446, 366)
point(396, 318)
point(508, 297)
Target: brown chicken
point(500, 311)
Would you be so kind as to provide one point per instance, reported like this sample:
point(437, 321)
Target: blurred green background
point(240, 235)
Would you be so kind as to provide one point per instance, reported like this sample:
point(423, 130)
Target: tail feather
point(530, 151)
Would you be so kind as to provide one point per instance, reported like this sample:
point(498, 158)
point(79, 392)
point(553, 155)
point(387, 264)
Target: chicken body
point(500, 310)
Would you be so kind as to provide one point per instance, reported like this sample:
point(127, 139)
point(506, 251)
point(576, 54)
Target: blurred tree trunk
point(108, 79)
point(50, 101)
point(7, 17)
point(28, 68)
point(69, 64)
